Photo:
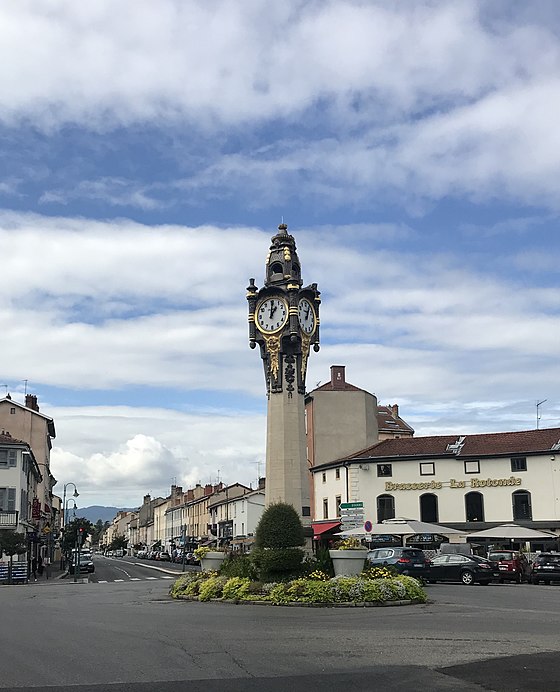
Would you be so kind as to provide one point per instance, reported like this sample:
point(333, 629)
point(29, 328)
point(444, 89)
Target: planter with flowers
point(210, 558)
point(348, 557)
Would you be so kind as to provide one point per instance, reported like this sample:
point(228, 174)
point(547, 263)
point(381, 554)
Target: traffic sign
point(351, 505)
point(368, 526)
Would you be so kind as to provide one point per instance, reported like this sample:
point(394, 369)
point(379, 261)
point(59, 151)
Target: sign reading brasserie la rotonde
point(452, 483)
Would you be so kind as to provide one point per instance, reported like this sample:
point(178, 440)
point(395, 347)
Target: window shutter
point(3, 500)
point(3, 457)
point(12, 457)
point(11, 499)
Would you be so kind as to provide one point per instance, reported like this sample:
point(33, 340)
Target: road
point(129, 636)
point(110, 569)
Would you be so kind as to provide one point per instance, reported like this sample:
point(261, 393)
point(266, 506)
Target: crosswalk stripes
point(116, 581)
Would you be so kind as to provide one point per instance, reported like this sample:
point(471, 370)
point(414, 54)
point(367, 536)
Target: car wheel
point(467, 578)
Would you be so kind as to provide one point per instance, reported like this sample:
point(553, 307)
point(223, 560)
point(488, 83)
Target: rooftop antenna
point(25, 390)
point(538, 412)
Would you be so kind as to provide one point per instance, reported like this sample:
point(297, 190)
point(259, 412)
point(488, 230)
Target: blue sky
point(150, 150)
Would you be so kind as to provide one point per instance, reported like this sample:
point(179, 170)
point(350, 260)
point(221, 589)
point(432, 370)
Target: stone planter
point(348, 563)
point(212, 561)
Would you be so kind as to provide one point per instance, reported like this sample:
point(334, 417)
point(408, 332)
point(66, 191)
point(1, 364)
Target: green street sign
point(351, 505)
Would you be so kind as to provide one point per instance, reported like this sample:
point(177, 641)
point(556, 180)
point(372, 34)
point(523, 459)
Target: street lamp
point(74, 494)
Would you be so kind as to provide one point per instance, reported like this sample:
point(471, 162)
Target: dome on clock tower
point(282, 263)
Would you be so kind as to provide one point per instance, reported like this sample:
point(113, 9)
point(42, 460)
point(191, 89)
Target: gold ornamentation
point(305, 341)
point(273, 349)
point(287, 254)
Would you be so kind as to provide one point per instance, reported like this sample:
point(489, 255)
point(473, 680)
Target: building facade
point(468, 482)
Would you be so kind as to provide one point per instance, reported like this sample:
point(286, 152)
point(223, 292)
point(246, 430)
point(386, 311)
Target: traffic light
point(80, 535)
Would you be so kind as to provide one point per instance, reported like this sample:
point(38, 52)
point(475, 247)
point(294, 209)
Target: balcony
point(8, 520)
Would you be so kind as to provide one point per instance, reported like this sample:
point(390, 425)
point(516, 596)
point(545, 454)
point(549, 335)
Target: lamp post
point(74, 494)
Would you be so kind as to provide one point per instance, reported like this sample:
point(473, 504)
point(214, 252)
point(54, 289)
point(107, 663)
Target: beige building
point(27, 423)
point(342, 418)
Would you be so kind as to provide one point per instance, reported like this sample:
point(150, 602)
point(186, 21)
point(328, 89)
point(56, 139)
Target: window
point(474, 507)
point(13, 410)
point(242, 528)
point(385, 508)
point(427, 469)
point(324, 477)
point(521, 500)
point(8, 458)
point(429, 508)
point(8, 499)
point(337, 501)
point(384, 470)
point(472, 466)
point(325, 509)
point(337, 474)
point(518, 464)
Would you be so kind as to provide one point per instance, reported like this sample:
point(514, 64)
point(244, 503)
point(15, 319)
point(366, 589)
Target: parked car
point(410, 561)
point(512, 565)
point(86, 564)
point(546, 568)
point(467, 569)
point(163, 556)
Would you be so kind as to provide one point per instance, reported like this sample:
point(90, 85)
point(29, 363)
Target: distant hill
point(96, 512)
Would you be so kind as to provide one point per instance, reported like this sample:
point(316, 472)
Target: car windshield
point(550, 559)
point(501, 556)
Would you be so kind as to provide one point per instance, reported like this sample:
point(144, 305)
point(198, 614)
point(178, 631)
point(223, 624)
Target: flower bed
point(374, 586)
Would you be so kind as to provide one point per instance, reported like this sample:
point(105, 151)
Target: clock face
point(306, 315)
point(272, 315)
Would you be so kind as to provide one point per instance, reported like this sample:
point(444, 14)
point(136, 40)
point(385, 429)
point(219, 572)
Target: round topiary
point(279, 527)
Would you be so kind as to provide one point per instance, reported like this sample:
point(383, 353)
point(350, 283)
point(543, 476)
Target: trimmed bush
point(239, 566)
point(279, 527)
point(277, 564)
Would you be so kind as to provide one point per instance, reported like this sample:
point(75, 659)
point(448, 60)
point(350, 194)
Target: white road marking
point(135, 579)
point(102, 581)
point(118, 580)
point(151, 577)
point(167, 577)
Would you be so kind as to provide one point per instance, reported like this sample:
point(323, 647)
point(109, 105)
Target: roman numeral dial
point(271, 315)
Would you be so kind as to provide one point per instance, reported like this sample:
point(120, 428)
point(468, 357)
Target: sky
point(149, 152)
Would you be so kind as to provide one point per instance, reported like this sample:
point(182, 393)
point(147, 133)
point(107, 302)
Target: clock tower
point(284, 322)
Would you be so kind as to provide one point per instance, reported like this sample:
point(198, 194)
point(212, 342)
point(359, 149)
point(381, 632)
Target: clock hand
point(272, 310)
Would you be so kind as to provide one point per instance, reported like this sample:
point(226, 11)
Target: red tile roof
point(386, 422)
point(7, 439)
point(484, 444)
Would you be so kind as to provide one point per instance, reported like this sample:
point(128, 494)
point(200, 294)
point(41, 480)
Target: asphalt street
point(130, 636)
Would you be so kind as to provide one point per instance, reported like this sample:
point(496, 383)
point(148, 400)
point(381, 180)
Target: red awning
point(324, 526)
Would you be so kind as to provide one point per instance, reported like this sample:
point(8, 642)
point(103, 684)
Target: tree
point(118, 543)
point(71, 532)
point(12, 543)
point(98, 529)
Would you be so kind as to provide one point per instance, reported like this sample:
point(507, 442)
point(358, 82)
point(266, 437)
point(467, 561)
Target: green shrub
point(279, 527)
point(320, 562)
point(235, 588)
point(239, 566)
point(278, 564)
point(211, 587)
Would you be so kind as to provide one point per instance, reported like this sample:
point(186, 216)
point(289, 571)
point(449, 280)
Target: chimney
point(395, 410)
point(262, 482)
point(190, 495)
point(31, 402)
point(338, 378)
point(208, 489)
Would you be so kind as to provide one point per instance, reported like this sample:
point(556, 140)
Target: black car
point(86, 564)
point(467, 569)
point(545, 568)
point(410, 561)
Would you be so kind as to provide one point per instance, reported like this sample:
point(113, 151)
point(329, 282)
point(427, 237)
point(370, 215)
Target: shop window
point(521, 500)
point(385, 508)
point(472, 466)
point(518, 464)
point(474, 507)
point(384, 470)
point(427, 469)
point(429, 508)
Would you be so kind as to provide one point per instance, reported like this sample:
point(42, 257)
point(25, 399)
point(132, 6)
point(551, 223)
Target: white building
point(467, 482)
point(19, 479)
